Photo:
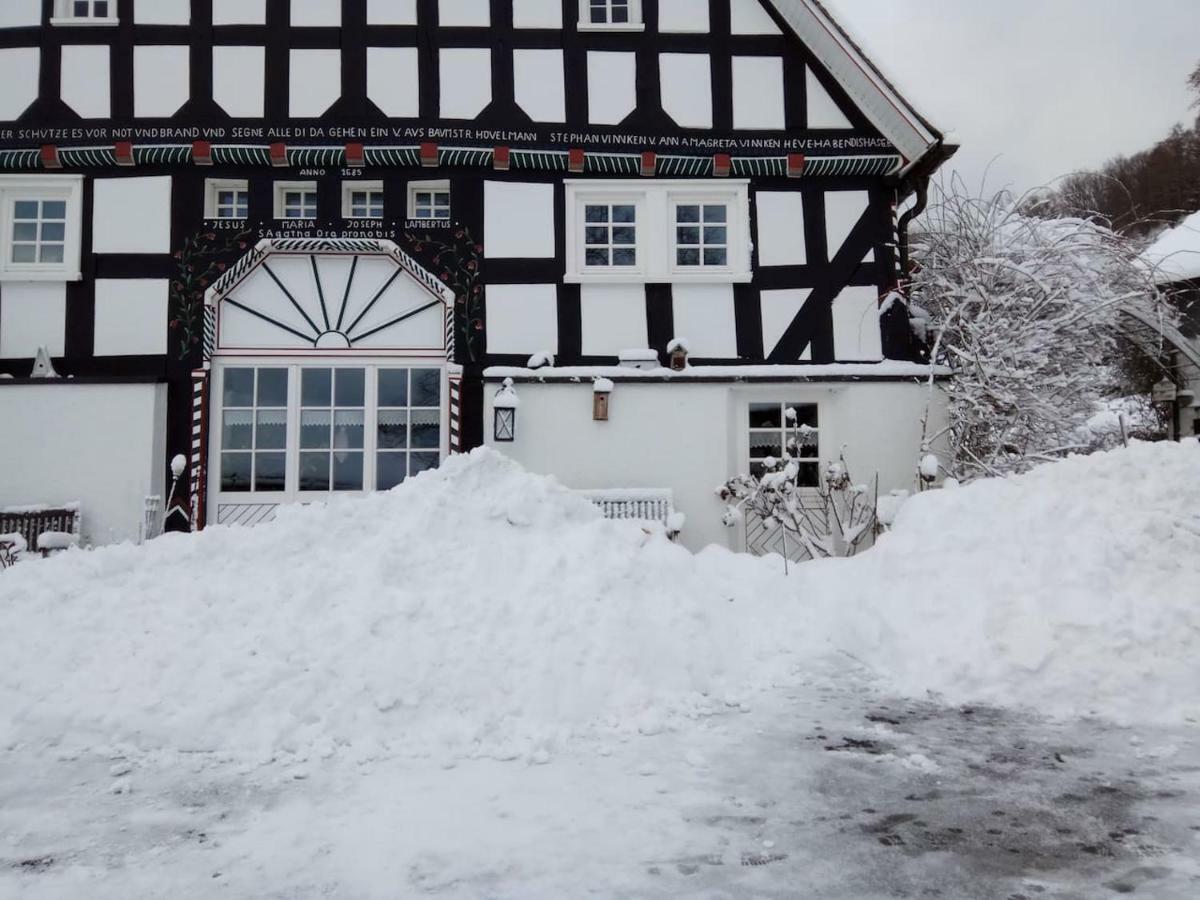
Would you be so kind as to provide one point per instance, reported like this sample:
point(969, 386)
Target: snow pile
point(1175, 254)
point(475, 610)
point(1072, 589)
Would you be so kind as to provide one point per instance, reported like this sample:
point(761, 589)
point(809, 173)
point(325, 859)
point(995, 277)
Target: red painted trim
point(124, 153)
point(575, 159)
point(722, 165)
point(279, 155)
point(49, 157)
point(795, 165)
point(649, 163)
point(501, 159)
point(429, 155)
point(355, 156)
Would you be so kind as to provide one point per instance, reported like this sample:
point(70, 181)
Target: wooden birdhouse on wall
point(601, 392)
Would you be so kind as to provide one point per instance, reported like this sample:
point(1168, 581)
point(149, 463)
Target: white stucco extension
point(60, 446)
point(691, 435)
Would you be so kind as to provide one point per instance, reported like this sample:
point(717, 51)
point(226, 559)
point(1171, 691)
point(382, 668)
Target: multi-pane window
point(364, 203)
point(784, 431)
point(610, 234)
point(429, 200)
point(39, 232)
point(295, 200)
point(332, 429)
point(408, 423)
point(611, 12)
point(90, 9)
point(232, 203)
point(701, 235)
point(254, 429)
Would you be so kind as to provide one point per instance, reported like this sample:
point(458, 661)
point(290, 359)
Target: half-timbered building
point(305, 244)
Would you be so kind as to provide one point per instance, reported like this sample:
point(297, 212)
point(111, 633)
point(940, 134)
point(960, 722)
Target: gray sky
point(1048, 86)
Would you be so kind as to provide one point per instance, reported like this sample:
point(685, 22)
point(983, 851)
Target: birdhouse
point(678, 351)
point(601, 391)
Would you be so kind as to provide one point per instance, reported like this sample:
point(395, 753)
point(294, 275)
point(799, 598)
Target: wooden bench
point(32, 521)
point(639, 505)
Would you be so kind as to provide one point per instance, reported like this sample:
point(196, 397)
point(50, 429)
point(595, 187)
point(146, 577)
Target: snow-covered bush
point(1031, 313)
point(833, 519)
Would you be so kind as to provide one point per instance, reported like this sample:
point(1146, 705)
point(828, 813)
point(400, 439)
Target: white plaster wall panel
point(464, 13)
point(612, 86)
point(749, 17)
point(392, 80)
point(822, 111)
point(314, 81)
point(779, 309)
point(687, 88)
point(856, 334)
point(239, 12)
point(704, 315)
point(19, 75)
point(20, 13)
point(682, 16)
point(85, 80)
point(537, 13)
point(317, 13)
point(879, 424)
point(131, 316)
point(162, 12)
point(46, 428)
point(391, 12)
point(758, 92)
point(522, 318)
point(466, 81)
point(160, 80)
point(518, 220)
point(780, 228)
point(538, 84)
point(32, 314)
point(843, 209)
point(613, 318)
point(239, 80)
point(425, 330)
point(132, 215)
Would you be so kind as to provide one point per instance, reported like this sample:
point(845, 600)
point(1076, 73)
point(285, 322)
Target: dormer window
point(610, 15)
point(85, 12)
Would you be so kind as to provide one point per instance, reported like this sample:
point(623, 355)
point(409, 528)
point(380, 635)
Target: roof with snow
point(1175, 254)
point(874, 93)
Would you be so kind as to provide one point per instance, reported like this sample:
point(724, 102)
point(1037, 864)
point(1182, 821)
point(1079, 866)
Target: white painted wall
point(465, 81)
point(538, 84)
point(32, 314)
point(537, 14)
point(703, 313)
point(85, 80)
point(522, 318)
point(781, 228)
point(687, 88)
point(749, 17)
point(613, 318)
point(132, 215)
point(392, 80)
point(758, 92)
point(19, 75)
point(456, 13)
point(60, 445)
point(160, 80)
point(131, 316)
point(317, 13)
point(314, 81)
point(162, 12)
point(612, 86)
point(779, 309)
point(822, 111)
point(245, 12)
point(20, 13)
point(843, 209)
point(239, 80)
point(518, 220)
point(692, 437)
point(682, 16)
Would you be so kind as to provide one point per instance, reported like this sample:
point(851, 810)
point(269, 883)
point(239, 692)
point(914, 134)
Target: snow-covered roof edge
point(886, 370)
point(1175, 254)
point(895, 117)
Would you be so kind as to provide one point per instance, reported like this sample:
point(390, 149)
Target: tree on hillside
point(1194, 84)
point(1028, 310)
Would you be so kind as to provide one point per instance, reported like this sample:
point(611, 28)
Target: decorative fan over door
point(341, 295)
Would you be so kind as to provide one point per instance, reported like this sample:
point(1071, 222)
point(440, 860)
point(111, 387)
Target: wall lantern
point(504, 409)
point(601, 391)
point(678, 351)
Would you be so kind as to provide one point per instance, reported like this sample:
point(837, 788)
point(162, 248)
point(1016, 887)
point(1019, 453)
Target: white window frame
point(746, 460)
point(677, 268)
point(213, 187)
point(656, 202)
point(635, 23)
point(349, 188)
point(67, 188)
point(64, 14)
point(282, 187)
point(293, 363)
point(440, 185)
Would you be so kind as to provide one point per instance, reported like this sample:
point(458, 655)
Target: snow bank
point(1074, 588)
point(475, 610)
